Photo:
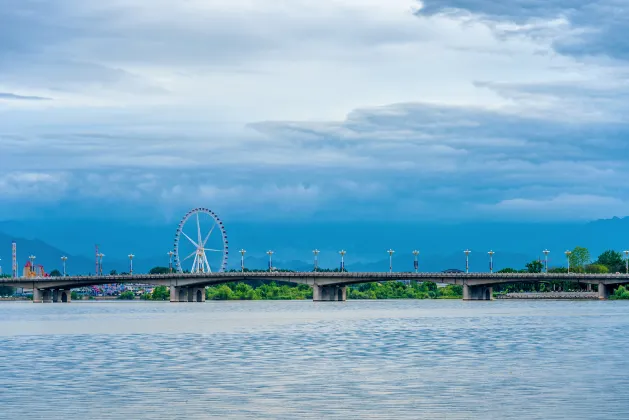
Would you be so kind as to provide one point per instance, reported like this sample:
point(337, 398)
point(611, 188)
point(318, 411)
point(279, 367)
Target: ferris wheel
point(208, 251)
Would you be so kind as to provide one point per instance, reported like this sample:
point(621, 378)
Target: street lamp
point(491, 261)
point(316, 259)
point(170, 261)
point(546, 252)
point(270, 254)
point(342, 252)
point(627, 262)
point(100, 262)
point(416, 262)
point(467, 260)
point(242, 260)
point(568, 259)
point(390, 252)
point(131, 264)
point(64, 259)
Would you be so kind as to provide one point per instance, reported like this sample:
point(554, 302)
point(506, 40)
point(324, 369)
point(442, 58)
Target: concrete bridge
point(326, 286)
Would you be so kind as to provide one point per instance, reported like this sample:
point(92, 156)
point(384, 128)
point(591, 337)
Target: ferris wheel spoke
point(191, 255)
point(213, 250)
point(193, 243)
point(208, 234)
point(199, 230)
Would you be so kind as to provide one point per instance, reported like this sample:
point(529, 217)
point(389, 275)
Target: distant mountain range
point(441, 245)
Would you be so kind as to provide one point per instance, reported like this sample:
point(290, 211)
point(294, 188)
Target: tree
point(160, 293)
point(159, 270)
point(127, 295)
point(579, 258)
point(596, 269)
point(113, 273)
point(612, 260)
point(55, 273)
point(534, 266)
point(507, 270)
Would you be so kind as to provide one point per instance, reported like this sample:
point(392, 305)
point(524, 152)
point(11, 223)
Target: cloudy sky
point(327, 109)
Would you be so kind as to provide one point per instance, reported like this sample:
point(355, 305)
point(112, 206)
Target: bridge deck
point(320, 278)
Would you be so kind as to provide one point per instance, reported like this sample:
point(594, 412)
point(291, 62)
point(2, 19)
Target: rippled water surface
point(290, 360)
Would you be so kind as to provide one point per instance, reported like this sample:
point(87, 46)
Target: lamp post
point(546, 252)
point(568, 259)
point(491, 261)
point(63, 260)
point(100, 262)
point(390, 252)
point(316, 259)
point(627, 262)
point(416, 262)
point(270, 254)
point(170, 261)
point(342, 252)
point(131, 264)
point(0, 267)
point(242, 260)
point(467, 260)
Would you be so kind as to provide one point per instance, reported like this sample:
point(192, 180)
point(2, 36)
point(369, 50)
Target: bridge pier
point(196, 294)
point(187, 294)
point(46, 295)
point(477, 292)
point(177, 294)
point(604, 290)
point(329, 293)
point(64, 296)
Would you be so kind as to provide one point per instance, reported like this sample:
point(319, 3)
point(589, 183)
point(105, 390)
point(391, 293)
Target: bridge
point(331, 287)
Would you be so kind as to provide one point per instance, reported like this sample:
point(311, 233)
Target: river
point(431, 359)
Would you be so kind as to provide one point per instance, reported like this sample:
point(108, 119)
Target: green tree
point(55, 273)
point(612, 260)
point(620, 293)
point(507, 270)
point(534, 266)
point(596, 269)
point(127, 295)
point(160, 293)
point(579, 257)
point(113, 273)
point(159, 270)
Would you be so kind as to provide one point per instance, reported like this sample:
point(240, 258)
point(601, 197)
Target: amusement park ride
point(209, 254)
point(200, 246)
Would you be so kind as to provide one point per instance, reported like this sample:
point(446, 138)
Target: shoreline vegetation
point(275, 291)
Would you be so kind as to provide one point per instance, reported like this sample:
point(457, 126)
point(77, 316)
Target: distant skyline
point(349, 110)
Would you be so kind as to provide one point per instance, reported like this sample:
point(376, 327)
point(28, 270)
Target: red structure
point(36, 270)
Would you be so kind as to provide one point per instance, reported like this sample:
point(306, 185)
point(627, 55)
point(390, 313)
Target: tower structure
point(14, 258)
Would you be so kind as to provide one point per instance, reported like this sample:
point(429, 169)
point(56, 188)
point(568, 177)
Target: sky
point(442, 110)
